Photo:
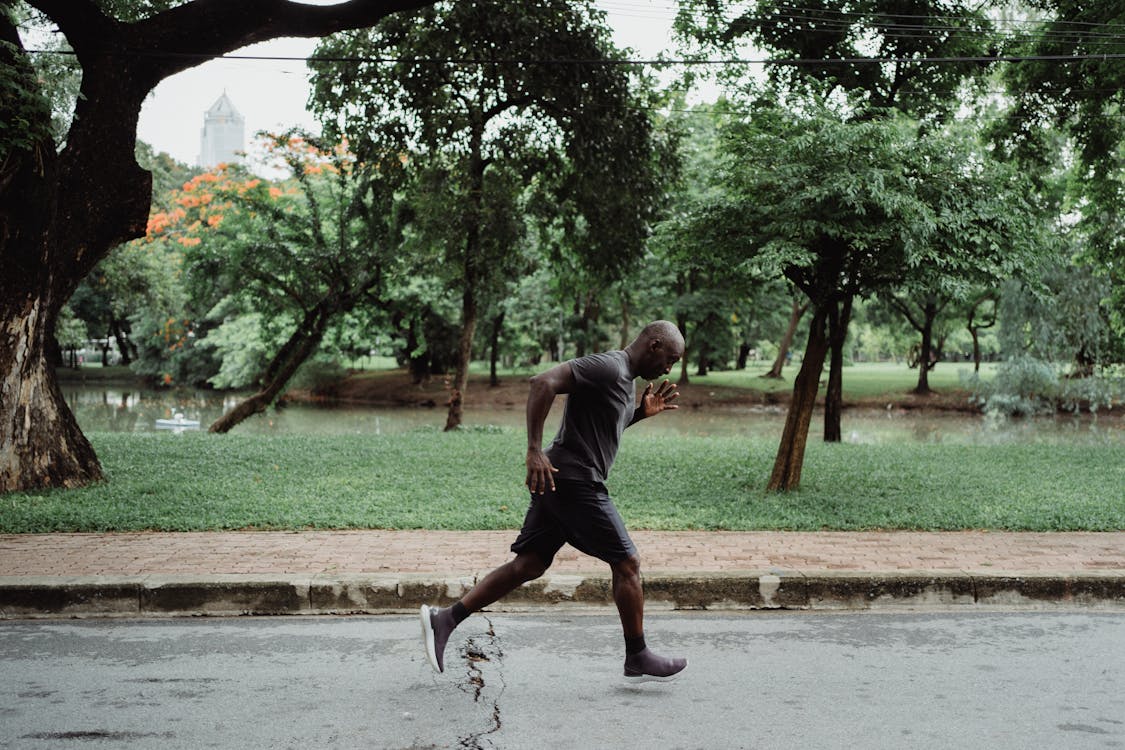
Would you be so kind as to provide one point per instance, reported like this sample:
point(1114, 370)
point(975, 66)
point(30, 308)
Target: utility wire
point(795, 11)
point(657, 63)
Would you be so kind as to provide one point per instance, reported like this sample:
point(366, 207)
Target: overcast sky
point(272, 94)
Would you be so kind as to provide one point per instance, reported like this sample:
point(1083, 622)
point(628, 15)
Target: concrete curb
point(232, 595)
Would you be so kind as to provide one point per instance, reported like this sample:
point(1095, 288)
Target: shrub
point(1022, 386)
point(1025, 386)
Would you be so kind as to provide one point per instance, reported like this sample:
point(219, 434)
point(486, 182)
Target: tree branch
point(189, 34)
point(499, 107)
point(83, 24)
point(904, 308)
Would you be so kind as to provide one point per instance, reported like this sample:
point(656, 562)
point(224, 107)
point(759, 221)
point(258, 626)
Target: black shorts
point(579, 513)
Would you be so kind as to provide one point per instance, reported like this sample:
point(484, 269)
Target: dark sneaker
point(646, 666)
point(437, 624)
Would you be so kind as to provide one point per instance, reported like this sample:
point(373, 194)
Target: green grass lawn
point(473, 480)
point(861, 380)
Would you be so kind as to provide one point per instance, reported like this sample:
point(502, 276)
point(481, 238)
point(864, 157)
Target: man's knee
point(630, 567)
point(528, 566)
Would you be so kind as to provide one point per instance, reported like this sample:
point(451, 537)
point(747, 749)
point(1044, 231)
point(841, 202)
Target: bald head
point(658, 346)
point(665, 330)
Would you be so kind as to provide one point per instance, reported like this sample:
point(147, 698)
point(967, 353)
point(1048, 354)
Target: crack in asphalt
point(477, 652)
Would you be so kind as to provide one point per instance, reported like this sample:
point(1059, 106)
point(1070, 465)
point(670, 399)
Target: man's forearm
point(538, 407)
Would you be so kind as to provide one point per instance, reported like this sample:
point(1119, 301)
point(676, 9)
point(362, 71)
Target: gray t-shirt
point(597, 411)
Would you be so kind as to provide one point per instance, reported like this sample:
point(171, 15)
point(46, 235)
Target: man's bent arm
point(544, 387)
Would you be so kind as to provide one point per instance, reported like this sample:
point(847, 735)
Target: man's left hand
point(654, 401)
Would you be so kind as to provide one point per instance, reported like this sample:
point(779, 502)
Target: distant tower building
point(222, 134)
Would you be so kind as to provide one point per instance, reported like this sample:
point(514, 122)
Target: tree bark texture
point(795, 315)
point(469, 280)
point(838, 320)
point(925, 359)
point(791, 452)
point(743, 355)
point(455, 415)
point(494, 350)
point(61, 213)
point(975, 326)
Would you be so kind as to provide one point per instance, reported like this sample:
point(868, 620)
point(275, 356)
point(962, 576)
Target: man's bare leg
point(439, 623)
point(641, 664)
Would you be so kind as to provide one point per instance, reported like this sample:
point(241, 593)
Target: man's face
point(661, 357)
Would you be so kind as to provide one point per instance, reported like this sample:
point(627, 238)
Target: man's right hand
point(540, 472)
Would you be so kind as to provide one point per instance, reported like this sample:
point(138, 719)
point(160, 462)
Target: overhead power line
point(695, 62)
point(673, 10)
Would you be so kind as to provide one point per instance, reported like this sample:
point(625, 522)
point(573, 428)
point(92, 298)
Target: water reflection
point(107, 409)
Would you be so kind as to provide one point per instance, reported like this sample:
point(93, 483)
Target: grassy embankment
point(472, 479)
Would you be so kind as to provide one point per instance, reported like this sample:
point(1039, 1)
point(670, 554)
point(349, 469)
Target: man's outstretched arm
point(544, 387)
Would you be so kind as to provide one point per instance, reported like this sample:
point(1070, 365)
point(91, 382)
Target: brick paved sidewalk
point(464, 553)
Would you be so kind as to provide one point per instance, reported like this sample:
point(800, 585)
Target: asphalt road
point(755, 680)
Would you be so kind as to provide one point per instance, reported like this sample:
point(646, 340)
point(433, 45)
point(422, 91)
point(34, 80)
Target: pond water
point(122, 409)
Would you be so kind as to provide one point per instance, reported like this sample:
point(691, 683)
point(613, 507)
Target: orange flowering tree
point(296, 254)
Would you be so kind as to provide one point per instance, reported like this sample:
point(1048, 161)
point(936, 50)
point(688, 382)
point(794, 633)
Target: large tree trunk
point(791, 452)
point(838, 320)
point(41, 444)
point(795, 315)
point(50, 238)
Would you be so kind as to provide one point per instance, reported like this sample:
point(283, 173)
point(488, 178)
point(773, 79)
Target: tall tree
point(880, 55)
point(845, 210)
point(1083, 97)
point(486, 89)
point(986, 231)
point(64, 207)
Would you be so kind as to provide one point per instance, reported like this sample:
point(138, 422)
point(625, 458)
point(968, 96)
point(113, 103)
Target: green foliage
point(1084, 101)
point(1025, 386)
point(70, 332)
point(570, 131)
point(1022, 386)
point(1061, 318)
point(57, 72)
point(711, 297)
point(831, 30)
point(855, 207)
point(319, 375)
point(472, 480)
point(239, 343)
point(25, 113)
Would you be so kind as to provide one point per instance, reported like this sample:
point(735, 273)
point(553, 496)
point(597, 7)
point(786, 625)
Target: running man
point(569, 501)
